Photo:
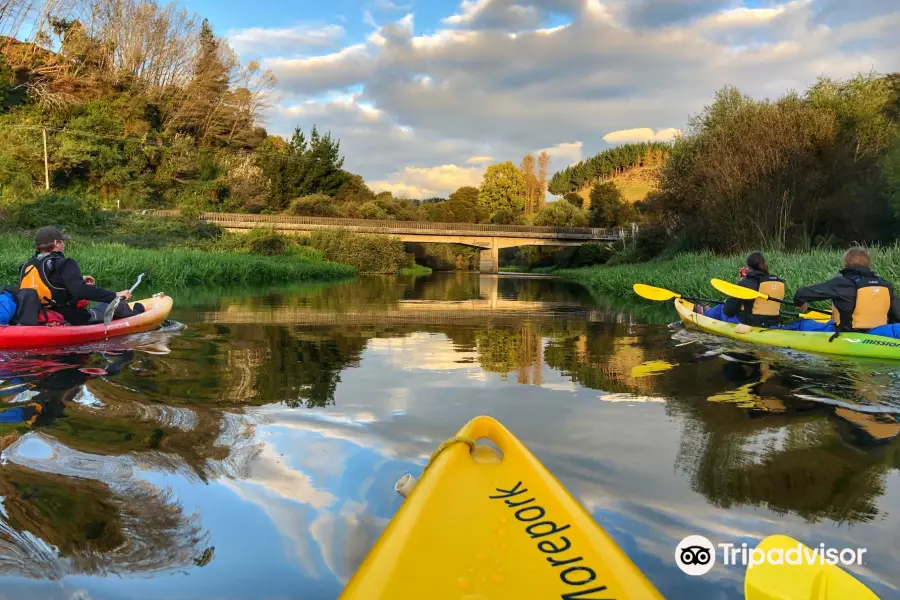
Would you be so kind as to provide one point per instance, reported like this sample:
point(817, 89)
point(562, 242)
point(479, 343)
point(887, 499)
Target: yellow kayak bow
point(489, 525)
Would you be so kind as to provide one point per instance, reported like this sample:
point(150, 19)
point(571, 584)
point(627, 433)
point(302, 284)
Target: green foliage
point(785, 173)
point(6, 79)
point(890, 167)
point(371, 210)
point(561, 214)
point(116, 266)
point(503, 188)
point(354, 191)
point(605, 164)
point(575, 199)
point(368, 253)
point(58, 209)
point(439, 212)
point(464, 206)
point(446, 257)
point(504, 216)
point(593, 254)
point(315, 205)
point(608, 207)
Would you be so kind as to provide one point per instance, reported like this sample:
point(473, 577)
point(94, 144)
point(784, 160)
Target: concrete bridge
point(489, 238)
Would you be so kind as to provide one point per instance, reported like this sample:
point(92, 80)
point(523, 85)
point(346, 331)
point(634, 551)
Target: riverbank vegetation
point(689, 273)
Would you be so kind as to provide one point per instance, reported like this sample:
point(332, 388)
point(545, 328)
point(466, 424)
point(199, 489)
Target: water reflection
point(257, 448)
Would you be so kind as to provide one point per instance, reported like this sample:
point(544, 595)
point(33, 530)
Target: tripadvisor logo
point(695, 555)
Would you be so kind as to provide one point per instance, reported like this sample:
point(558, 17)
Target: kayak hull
point(16, 337)
point(859, 345)
point(484, 525)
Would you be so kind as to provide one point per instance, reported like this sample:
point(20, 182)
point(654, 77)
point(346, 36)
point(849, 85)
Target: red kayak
point(19, 337)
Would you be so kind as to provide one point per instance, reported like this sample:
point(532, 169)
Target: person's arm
point(827, 290)
point(70, 273)
point(732, 307)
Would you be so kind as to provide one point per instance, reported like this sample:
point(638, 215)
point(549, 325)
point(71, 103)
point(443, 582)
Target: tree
point(561, 214)
point(464, 205)
point(576, 200)
point(502, 188)
point(543, 170)
point(608, 208)
point(354, 190)
point(532, 185)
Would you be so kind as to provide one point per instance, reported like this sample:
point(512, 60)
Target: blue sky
point(423, 95)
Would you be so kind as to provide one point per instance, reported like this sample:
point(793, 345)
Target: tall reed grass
point(116, 266)
point(689, 274)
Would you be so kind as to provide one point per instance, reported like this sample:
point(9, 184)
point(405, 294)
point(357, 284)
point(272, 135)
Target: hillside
point(634, 168)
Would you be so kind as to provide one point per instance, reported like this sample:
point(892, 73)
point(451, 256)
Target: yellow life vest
point(873, 303)
point(769, 308)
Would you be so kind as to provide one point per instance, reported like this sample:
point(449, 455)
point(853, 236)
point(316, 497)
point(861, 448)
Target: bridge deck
point(288, 222)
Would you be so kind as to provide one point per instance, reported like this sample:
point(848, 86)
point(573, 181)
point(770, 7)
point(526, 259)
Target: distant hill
point(634, 168)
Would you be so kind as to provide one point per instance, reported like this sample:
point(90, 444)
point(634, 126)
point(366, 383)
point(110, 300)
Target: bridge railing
point(245, 220)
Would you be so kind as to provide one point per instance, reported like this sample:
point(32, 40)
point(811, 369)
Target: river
point(249, 449)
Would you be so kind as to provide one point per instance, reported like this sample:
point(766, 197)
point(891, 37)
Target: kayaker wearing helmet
point(861, 300)
point(758, 313)
point(62, 288)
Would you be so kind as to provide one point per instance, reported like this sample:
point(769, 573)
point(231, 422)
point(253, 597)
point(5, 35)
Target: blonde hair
point(857, 256)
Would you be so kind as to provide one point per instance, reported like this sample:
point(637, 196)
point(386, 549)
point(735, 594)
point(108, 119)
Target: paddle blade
point(111, 310)
point(654, 293)
point(736, 291)
point(819, 317)
point(802, 581)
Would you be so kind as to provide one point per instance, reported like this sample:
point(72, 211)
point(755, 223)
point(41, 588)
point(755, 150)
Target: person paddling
point(61, 287)
point(861, 300)
point(758, 313)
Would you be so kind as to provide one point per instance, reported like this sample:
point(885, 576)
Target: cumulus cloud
point(643, 134)
point(637, 69)
point(288, 39)
point(564, 154)
point(479, 160)
point(424, 182)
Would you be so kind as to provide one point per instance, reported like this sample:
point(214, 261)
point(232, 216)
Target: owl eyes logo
point(695, 555)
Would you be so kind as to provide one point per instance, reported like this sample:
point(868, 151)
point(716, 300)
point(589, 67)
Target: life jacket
point(35, 275)
point(773, 287)
point(873, 303)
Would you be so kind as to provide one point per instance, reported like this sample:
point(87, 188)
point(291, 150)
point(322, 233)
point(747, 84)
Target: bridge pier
point(490, 259)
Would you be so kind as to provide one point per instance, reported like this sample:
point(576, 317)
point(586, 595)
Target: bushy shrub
point(561, 214)
point(371, 210)
point(314, 205)
point(61, 210)
point(368, 253)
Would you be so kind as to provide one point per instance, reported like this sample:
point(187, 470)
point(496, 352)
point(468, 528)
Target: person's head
point(50, 239)
point(857, 256)
point(757, 262)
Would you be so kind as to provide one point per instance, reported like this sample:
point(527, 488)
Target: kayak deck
point(484, 525)
point(17, 337)
point(847, 344)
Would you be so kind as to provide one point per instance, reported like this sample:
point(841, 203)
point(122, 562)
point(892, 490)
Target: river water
point(249, 450)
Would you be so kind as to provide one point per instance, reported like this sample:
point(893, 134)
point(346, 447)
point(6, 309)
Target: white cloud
point(288, 39)
point(425, 182)
point(479, 160)
point(564, 154)
point(643, 134)
point(389, 5)
point(470, 90)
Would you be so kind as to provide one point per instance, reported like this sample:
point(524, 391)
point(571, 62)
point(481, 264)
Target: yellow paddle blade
point(654, 293)
point(808, 580)
point(820, 317)
point(736, 291)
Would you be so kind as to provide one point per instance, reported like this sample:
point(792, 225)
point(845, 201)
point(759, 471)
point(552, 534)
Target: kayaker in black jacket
point(60, 285)
point(861, 300)
point(758, 313)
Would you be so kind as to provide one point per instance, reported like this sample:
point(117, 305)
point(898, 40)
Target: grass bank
point(416, 270)
point(116, 266)
point(689, 274)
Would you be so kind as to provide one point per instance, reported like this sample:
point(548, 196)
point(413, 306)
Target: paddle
point(111, 309)
point(738, 291)
point(767, 581)
point(661, 294)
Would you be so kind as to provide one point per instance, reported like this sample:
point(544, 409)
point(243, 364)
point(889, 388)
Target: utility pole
point(46, 162)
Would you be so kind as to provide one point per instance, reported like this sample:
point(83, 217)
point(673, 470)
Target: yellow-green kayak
point(847, 344)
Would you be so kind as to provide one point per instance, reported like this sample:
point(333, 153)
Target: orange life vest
point(35, 275)
point(774, 288)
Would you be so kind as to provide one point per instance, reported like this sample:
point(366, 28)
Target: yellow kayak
point(478, 526)
point(488, 525)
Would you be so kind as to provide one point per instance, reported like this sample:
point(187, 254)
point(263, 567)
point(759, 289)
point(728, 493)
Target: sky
point(423, 95)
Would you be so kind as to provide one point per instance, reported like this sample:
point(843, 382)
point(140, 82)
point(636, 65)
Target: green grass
point(689, 274)
point(415, 271)
point(116, 266)
point(515, 269)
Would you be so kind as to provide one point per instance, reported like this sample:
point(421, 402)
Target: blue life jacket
point(7, 307)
